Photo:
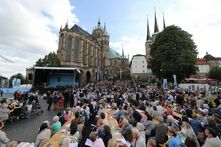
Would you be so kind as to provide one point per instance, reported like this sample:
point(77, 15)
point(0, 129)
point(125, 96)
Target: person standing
point(49, 100)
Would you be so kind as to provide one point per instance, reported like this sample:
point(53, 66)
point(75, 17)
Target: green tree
point(17, 76)
point(173, 52)
point(50, 60)
point(215, 73)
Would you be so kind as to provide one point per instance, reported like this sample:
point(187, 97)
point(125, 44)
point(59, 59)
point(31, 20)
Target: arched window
point(84, 52)
point(68, 51)
point(61, 41)
point(76, 48)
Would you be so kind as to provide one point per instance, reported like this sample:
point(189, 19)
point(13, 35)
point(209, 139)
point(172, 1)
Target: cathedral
point(150, 39)
point(90, 53)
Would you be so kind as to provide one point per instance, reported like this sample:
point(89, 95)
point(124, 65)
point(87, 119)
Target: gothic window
point(68, 51)
point(61, 41)
point(89, 55)
point(76, 48)
point(84, 52)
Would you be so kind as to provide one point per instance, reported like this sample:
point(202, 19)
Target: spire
point(66, 25)
point(148, 30)
point(128, 56)
point(164, 25)
point(61, 28)
point(122, 52)
point(155, 23)
point(99, 22)
point(105, 30)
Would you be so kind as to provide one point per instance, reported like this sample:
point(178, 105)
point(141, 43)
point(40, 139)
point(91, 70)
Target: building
point(4, 82)
point(90, 53)
point(203, 67)
point(212, 61)
point(138, 66)
point(150, 39)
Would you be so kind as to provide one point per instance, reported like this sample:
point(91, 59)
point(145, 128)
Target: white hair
point(55, 118)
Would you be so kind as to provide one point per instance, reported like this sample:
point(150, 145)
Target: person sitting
point(107, 135)
point(73, 137)
point(174, 140)
point(141, 128)
point(160, 130)
point(56, 124)
point(61, 118)
point(151, 143)
point(124, 125)
point(187, 131)
point(169, 111)
point(4, 141)
point(68, 114)
point(43, 135)
point(139, 140)
point(195, 124)
point(97, 141)
point(101, 120)
point(173, 122)
point(190, 142)
point(4, 112)
point(212, 139)
point(128, 137)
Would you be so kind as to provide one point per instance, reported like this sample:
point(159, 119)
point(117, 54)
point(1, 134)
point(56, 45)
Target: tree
point(215, 73)
point(173, 52)
point(17, 76)
point(50, 60)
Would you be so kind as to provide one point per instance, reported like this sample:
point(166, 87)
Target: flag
point(164, 83)
point(174, 80)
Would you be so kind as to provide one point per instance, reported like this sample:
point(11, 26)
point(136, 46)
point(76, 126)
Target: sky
point(29, 28)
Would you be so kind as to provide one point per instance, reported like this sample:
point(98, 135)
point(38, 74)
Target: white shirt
point(29, 107)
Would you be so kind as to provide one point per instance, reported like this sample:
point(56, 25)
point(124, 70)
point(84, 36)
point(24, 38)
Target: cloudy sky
point(29, 28)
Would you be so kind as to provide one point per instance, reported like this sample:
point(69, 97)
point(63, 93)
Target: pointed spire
point(122, 52)
point(61, 28)
point(128, 56)
point(148, 30)
point(105, 30)
point(99, 22)
point(66, 25)
point(164, 24)
point(156, 29)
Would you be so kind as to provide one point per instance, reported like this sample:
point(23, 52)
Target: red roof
point(201, 61)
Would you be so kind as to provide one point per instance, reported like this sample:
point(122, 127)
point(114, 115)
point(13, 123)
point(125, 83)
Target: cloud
point(201, 19)
point(29, 30)
point(131, 44)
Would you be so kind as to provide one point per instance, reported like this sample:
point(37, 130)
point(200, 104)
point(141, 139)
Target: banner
point(174, 80)
point(16, 82)
point(165, 86)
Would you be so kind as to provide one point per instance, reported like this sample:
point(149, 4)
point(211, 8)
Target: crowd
point(147, 117)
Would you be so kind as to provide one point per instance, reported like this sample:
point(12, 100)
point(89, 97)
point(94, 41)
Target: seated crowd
point(144, 118)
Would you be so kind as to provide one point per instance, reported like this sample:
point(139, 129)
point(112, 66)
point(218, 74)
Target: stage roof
point(57, 68)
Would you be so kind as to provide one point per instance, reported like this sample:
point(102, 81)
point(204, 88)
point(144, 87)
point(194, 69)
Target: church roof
point(113, 53)
point(78, 29)
point(209, 57)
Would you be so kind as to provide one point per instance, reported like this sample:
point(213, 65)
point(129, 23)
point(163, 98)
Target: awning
point(57, 68)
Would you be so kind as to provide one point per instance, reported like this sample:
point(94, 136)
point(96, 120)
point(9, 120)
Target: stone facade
point(88, 52)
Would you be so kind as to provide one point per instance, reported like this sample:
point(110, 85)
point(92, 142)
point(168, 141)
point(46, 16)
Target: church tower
point(148, 43)
point(102, 37)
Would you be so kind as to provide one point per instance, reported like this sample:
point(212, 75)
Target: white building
point(203, 67)
point(138, 66)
